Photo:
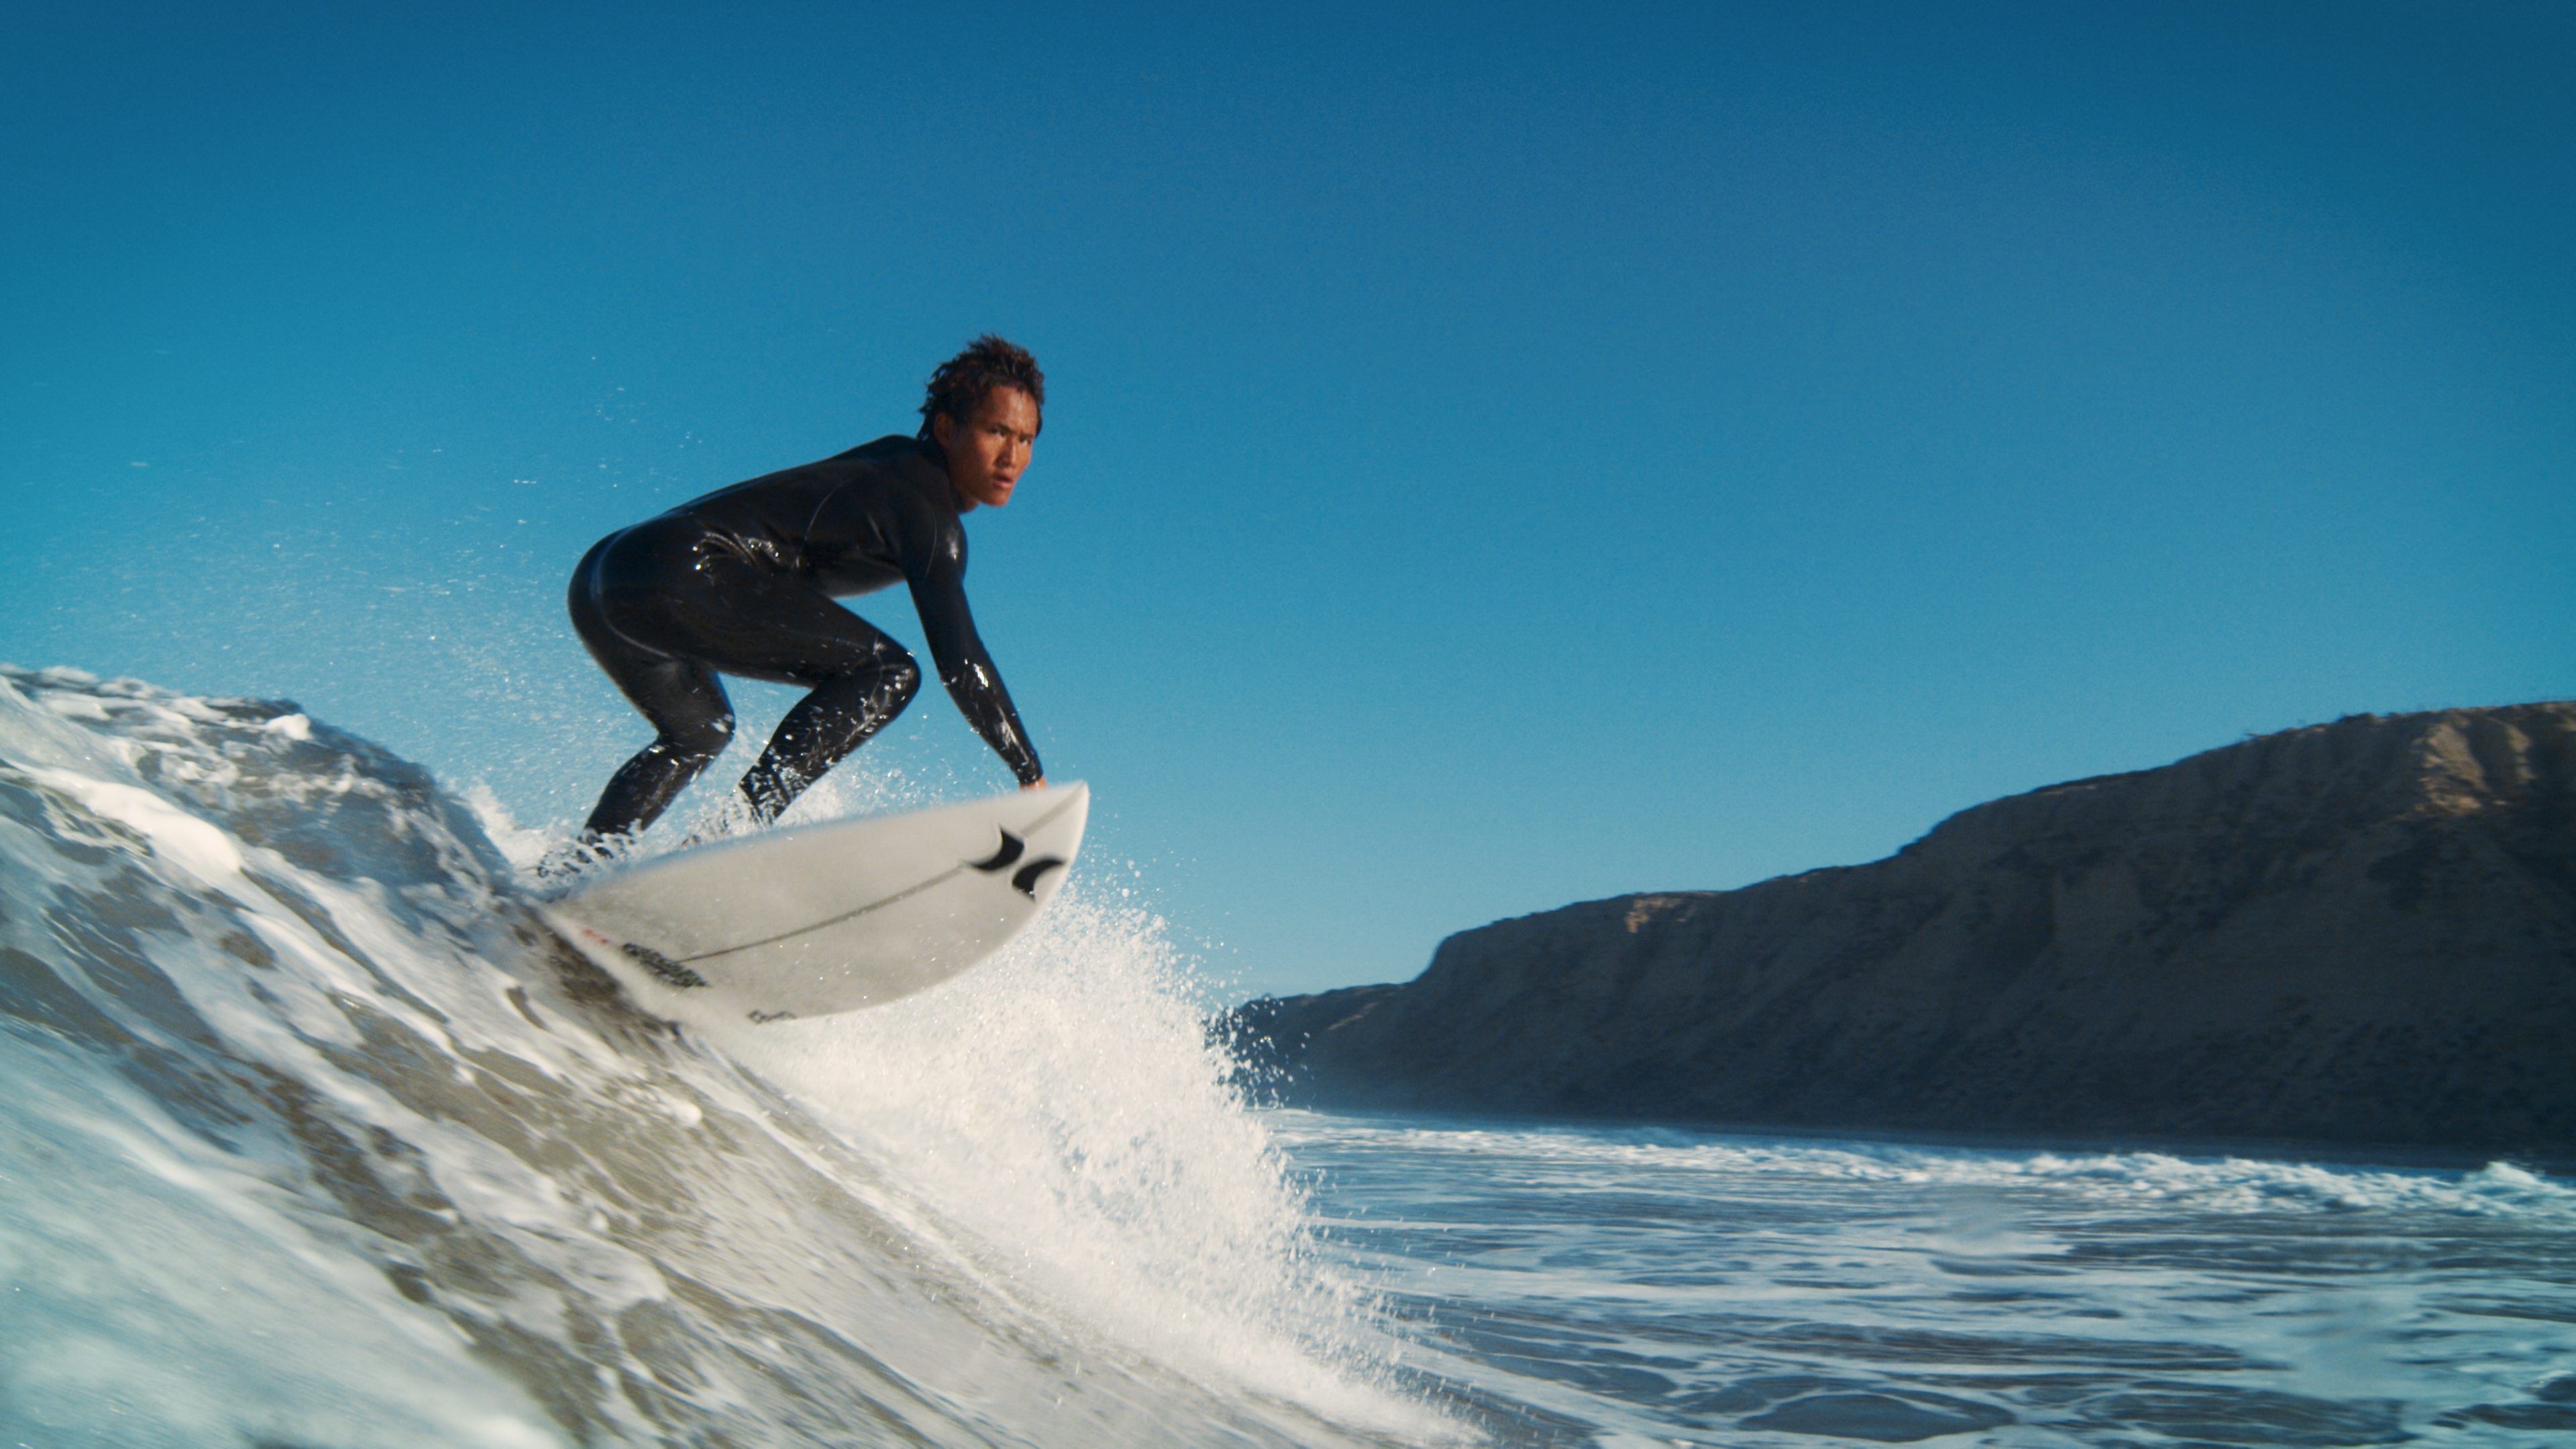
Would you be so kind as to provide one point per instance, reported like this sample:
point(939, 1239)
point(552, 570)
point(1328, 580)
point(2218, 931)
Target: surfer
point(741, 581)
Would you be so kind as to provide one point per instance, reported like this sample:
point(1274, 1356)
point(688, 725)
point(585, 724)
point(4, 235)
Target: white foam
point(2213, 1184)
point(523, 846)
point(194, 846)
point(1062, 1113)
point(157, 1295)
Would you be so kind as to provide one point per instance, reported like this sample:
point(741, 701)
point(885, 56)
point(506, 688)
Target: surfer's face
point(985, 456)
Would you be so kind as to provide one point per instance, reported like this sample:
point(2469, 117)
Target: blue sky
point(1496, 456)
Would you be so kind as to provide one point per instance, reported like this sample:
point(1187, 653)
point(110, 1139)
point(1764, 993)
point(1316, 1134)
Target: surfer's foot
point(574, 859)
point(767, 789)
point(729, 820)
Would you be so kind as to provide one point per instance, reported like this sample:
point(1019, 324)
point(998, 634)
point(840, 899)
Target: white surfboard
point(820, 919)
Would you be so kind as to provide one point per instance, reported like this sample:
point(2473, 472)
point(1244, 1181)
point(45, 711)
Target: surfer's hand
point(1037, 784)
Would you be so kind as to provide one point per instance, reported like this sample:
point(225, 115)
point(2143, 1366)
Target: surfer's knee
point(901, 680)
point(700, 741)
point(897, 680)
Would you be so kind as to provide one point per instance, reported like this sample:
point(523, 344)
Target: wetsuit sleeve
point(939, 594)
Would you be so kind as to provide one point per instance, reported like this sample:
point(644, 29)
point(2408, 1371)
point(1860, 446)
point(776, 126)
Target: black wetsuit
point(742, 580)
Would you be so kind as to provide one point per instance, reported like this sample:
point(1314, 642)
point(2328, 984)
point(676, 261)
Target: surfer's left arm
point(939, 595)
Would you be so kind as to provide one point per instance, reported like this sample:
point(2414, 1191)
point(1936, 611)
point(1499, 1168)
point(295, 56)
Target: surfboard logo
point(1025, 879)
point(1012, 849)
point(670, 971)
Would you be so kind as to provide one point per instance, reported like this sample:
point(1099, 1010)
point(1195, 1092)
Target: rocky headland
point(2360, 934)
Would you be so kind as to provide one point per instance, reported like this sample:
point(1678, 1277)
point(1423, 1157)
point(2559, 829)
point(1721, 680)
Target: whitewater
point(318, 1138)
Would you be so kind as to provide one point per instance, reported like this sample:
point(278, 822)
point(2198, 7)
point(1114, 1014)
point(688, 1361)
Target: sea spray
point(1063, 1108)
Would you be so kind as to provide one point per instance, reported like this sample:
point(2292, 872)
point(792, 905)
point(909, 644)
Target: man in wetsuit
point(742, 580)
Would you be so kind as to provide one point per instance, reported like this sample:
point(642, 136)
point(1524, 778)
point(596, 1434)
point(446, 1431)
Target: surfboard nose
point(1053, 839)
point(1081, 794)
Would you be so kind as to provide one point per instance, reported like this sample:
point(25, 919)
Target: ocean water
point(1650, 1287)
point(318, 1139)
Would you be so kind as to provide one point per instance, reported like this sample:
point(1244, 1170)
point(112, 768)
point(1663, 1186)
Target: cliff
point(2357, 933)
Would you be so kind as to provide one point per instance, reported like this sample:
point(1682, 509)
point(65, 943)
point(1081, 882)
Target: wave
point(320, 1137)
point(1598, 1155)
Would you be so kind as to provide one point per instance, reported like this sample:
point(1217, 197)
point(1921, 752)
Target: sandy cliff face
point(2362, 932)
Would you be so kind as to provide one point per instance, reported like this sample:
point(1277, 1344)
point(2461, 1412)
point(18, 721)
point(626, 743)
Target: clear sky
point(1496, 456)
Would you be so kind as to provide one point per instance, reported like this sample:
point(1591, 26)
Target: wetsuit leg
point(838, 717)
point(685, 702)
point(692, 723)
point(704, 612)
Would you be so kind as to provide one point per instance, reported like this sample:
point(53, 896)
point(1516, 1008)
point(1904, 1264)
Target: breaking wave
point(319, 1137)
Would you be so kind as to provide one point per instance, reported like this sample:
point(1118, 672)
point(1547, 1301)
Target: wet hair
point(959, 386)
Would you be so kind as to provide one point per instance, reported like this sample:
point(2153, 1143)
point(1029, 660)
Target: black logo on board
point(1012, 849)
point(1025, 879)
point(670, 971)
